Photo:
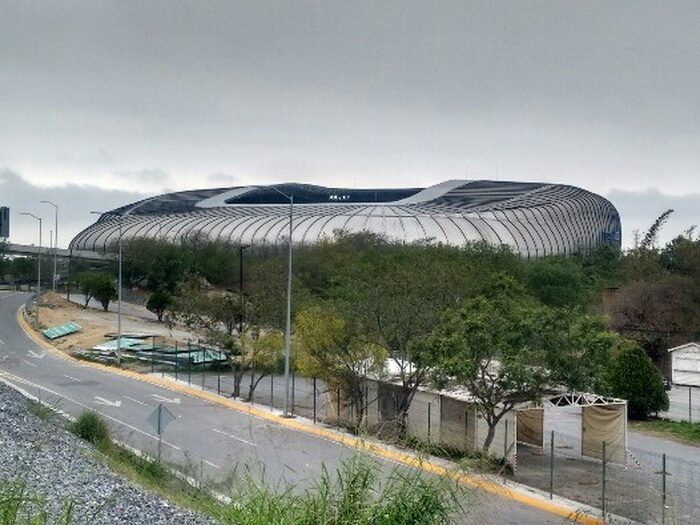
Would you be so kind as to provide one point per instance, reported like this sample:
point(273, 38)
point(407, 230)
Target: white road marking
point(29, 363)
point(136, 401)
point(2, 342)
point(35, 355)
point(175, 400)
point(72, 378)
point(234, 437)
point(53, 392)
point(102, 401)
point(211, 464)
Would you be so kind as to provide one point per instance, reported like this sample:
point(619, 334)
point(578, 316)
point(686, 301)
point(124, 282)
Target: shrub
point(633, 376)
point(91, 427)
point(159, 302)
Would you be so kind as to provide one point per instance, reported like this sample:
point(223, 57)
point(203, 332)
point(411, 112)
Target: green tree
point(331, 349)
point(506, 348)
point(159, 302)
point(99, 285)
point(558, 281)
point(633, 376)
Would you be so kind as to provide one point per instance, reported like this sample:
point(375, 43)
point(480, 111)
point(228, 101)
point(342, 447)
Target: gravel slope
point(60, 467)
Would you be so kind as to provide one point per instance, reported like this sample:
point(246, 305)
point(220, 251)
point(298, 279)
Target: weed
point(91, 427)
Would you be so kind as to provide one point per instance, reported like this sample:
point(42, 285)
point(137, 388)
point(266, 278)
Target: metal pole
point(70, 260)
point(605, 465)
point(551, 466)
point(240, 288)
point(288, 330)
point(690, 404)
point(294, 389)
point(505, 443)
point(272, 391)
point(119, 299)
point(428, 422)
point(177, 362)
point(338, 408)
point(663, 489)
point(153, 351)
point(55, 244)
point(218, 377)
point(160, 430)
point(314, 400)
point(38, 278)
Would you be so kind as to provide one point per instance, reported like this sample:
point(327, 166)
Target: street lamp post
point(38, 270)
point(240, 285)
point(288, 329)
point(119, 291)
point(55, 239)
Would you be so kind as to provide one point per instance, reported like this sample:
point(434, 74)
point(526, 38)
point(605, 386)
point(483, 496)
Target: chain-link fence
point(684, 404)
point(648, 487)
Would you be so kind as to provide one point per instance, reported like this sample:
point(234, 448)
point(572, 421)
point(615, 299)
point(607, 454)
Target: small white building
point(685, 364)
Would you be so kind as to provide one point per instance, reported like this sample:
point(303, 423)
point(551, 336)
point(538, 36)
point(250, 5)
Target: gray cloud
point(148, 176)
point(639, 209)
point(74, 201)
point(593, 93)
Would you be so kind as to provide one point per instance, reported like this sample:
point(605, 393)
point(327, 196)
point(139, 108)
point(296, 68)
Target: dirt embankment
point(96, 324)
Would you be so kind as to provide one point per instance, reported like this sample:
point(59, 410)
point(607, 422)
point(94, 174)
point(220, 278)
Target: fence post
point(505, 443)
point(366, 404)
point(605, 465)
point(663, 489)
point(551, 466)
point(428, 421)
point(314, 400)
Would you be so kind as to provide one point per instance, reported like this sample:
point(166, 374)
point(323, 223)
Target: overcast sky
point(101, 101)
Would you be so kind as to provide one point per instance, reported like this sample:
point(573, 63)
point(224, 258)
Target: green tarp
point(59, 331)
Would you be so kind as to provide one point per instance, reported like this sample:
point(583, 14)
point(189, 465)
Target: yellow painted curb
point(350, 441)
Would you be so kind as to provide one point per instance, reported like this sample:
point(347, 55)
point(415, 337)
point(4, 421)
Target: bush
point(91, 427)
point(159, 302)
point(633, 376)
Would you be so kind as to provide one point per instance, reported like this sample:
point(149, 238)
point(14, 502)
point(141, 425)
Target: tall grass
point(355, 494)
point(19, 507)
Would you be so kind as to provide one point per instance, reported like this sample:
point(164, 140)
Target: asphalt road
point(211, 439)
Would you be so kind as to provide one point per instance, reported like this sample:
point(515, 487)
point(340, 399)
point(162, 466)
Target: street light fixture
point(119, 290)
point(38, 270)
point(55, 239)
point(288, 329)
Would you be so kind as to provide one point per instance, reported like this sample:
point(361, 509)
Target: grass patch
point(20, 507)
point(91, 427)
point(41, 410)
point(355, 494)
point(680, 430)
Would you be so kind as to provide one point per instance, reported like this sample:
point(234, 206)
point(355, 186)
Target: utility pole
point(55, 242)
point(38, 270)
point(288, 328)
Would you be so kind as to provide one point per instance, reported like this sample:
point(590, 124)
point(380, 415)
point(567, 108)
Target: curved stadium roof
point(534, 219)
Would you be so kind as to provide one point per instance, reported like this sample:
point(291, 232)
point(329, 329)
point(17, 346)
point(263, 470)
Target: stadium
point(533, 219)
